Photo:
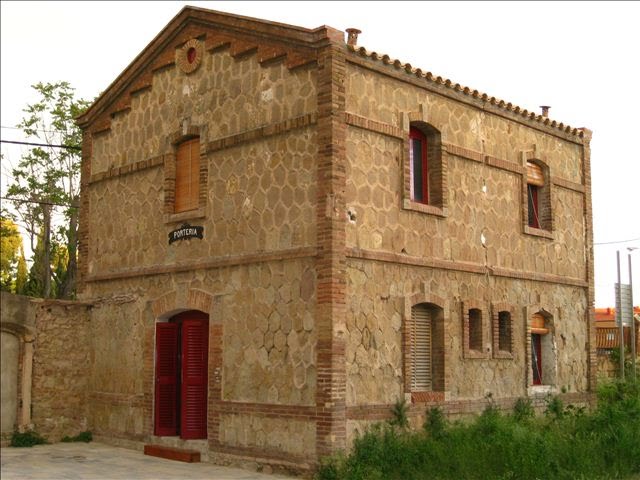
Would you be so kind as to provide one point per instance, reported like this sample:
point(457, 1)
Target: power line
point(39, 202)
point(617, 241)
point(69, 147)
point(34, 129)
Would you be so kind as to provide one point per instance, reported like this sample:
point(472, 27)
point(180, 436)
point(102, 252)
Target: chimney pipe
point(545, 110)
point(352, 36)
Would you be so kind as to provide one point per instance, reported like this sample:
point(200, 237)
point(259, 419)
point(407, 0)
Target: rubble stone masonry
point(313, 254)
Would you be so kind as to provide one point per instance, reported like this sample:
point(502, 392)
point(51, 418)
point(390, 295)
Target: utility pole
point(633, 320)
point(619, 317)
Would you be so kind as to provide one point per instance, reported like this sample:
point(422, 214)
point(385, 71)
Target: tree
point(46, 185)
point(10, 252)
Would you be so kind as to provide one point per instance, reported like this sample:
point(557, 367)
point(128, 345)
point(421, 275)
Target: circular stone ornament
point(190, 55)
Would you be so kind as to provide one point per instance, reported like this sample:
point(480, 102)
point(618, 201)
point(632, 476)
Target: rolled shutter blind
point(535, 176)
point(537, 324)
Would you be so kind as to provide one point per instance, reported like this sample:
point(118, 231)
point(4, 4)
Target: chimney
point(545, 110)
point(352, 36)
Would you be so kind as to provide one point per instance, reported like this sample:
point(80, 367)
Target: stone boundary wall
point(54, 363)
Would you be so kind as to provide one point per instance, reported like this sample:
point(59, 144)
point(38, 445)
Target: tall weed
point(566, 443)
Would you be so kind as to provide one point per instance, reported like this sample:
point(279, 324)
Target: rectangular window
point(475, 329)
point(504, 331)
point(537, 195)
point(187, 189)
point(536, 358)
point(418, 166)
point(533, 206)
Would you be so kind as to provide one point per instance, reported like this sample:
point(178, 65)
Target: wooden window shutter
point(166, 379)
point(187, 176)
point(195, 336)
point(535, 176)
point(421, 351)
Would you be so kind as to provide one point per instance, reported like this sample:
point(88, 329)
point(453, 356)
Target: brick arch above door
point(163, 308)
point(176, 301)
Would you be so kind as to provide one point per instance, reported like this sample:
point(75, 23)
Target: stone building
point(283, 234)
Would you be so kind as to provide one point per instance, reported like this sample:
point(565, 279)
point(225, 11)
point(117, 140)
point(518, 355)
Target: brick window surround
point(185, 176)
point(473, 330)
point(537, 211)
point(424, 178)
point(541, 349)
point(424, 350)
point(502, 319)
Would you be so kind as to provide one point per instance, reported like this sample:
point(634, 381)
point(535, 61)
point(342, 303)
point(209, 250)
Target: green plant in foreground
point(27, 439)
point(523, 410)
point(436, 423)
point(399, 412)
point(81, 437)
point(567, 443)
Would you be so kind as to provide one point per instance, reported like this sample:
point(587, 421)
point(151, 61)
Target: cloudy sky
point(581, 58)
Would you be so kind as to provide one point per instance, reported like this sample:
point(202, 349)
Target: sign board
point(186, 231)
point(624, 309)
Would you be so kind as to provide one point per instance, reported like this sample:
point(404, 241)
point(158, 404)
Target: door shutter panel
point(421, 351)
point(166, 379)
point(187, 176)
point(195, 336)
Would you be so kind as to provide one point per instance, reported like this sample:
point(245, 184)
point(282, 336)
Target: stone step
point(172, 453)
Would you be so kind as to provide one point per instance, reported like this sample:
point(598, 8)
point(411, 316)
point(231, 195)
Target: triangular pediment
point(270, 41)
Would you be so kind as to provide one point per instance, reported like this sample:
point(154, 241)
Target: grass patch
point(566, 443)
point(27, 439)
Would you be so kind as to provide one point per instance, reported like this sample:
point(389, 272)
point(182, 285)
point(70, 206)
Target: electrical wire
point(617, 241)
point(39, 202)
point(69, 147)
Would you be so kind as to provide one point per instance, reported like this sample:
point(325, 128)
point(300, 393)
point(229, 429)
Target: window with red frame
point(418, 166)
point(535, 181)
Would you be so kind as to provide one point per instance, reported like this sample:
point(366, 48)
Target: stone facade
point(314, 253)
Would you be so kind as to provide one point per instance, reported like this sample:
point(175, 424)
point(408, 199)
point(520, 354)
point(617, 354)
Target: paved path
point(97, 461)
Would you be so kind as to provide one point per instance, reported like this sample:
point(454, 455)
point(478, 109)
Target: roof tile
point(429, 77)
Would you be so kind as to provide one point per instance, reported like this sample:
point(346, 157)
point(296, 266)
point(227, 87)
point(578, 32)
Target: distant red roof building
point(608, 333)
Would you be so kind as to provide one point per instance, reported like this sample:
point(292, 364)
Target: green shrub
point(399, 414)
point(435, 423)
point(566, 443)
point(81, 437)
point(27, 439)
point(523, 410)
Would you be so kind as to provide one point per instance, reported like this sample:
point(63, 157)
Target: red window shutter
point(166, 379)
point(195, 336)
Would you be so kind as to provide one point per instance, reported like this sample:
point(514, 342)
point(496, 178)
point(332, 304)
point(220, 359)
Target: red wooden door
point(166, 379)
point(193, 405)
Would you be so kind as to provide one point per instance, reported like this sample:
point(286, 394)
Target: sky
point(581, 58)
